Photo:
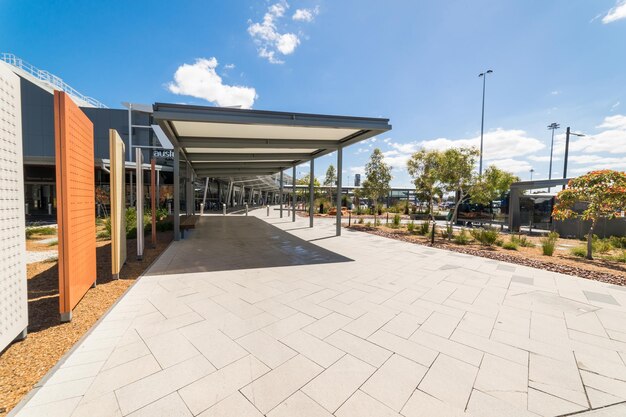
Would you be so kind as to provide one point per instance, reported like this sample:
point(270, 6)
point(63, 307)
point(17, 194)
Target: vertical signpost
point(153, 199)
point(139, 205)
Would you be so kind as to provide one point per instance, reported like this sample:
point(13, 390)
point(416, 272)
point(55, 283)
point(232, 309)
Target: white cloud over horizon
point(200, 80)
point(616, 13)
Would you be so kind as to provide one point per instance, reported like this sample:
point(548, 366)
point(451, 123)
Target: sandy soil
point(562, 261)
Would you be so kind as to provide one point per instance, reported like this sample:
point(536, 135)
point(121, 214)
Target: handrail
point(54, 81)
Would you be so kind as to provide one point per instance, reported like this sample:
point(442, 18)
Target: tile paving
point(254, 316)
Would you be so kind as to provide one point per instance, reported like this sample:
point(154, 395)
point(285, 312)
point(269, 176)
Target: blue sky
point(415, 62)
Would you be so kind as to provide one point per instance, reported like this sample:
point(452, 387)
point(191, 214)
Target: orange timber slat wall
point(76, 218)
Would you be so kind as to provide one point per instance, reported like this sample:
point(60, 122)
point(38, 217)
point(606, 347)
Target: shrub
point(447, 232)
point(378, 223)
point(621, 257)
point(510, 245)
point(103, 235)
point(462, 238)
point(361, 220)
point(43, 231)
point(54, 243)
point(368, 224)
point(548, 243)
point(580, 251)
point(164, 226)
point(487, 236)
point(396, 220)
point(618, 242)
point(522, 241)
point(410, 227)
point(423, 228)
point(601, 245)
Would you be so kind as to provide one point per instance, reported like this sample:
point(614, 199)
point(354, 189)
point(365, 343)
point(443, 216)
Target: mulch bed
point(24, 363)
point(598, 270)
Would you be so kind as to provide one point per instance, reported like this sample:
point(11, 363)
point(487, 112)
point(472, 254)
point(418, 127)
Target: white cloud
point(357, 170)
point(614, 106)
point(229, 66)
point(497, 144)
point(267, 37)
point(306, 15)
point(543, 158)
point(201, 81)
point(611, 140)
point(515, 166)
point(616, 13)
point(614, 122)
point(555, 93)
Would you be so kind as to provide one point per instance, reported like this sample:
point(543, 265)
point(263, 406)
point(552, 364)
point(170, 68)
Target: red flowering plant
point(603, 191)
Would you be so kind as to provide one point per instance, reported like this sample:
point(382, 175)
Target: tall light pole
point(568, 132)
point(482, 121)
point(531, 173)
point(552, 127)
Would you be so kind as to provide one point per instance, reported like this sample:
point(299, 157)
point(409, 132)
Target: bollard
point(26, 208)
point(169, 207)
point(387, 221)
point(201, 209)
point(223, 209)
point(349, 218)
point(246, 209)
point(50, 208)
point(268, 211)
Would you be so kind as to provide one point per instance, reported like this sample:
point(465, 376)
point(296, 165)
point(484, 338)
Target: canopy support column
point(293, 195)
point(281, 194)
point(311, 192)
point(339, 175)
point(176, 193)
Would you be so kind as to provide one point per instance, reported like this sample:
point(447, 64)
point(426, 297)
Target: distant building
point(357, 180)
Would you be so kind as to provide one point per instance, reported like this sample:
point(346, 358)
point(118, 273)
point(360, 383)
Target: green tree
point(304, 194)
point(377, 179)
point(494, 183)
point(604, 193)
point(330, 180)
point(456, 174)
point(423, 167)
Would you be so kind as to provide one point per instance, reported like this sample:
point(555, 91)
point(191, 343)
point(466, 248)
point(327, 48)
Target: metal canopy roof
point(227, 142)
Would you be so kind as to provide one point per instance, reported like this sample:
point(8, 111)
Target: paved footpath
point(253, 316)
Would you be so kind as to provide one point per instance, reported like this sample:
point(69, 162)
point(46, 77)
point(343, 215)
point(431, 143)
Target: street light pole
point(568, 132)
point(482, 121)
point(552, 127)
point(531, 173)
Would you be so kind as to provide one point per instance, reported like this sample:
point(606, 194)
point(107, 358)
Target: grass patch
point(41, 231)
point(548, 243)
point(511, 245)
point(54, 243)
point(462, 238)
point(487, 236)
point(580, 251)
point(522, 241)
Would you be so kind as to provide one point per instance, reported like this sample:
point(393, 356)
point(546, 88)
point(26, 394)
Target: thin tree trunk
point(590, 241)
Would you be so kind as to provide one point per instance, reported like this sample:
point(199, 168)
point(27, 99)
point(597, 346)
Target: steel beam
point(176, 193)
point(217, 157)
point(217, 143)
point(311, 193)
point(339, 175)
point(293, 195)
point(281, 194)
point(249, 164)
